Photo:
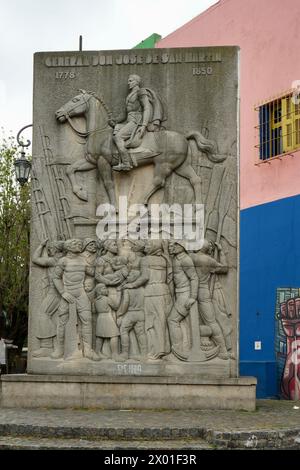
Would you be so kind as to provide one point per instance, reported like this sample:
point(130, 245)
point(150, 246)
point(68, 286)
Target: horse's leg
point(105, 172)
point(188, 172)
point(157, 184)
point(79, 165)
point(161, 172)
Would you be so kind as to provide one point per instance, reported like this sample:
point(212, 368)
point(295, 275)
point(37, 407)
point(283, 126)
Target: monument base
point(123, 392)
point(158, 368)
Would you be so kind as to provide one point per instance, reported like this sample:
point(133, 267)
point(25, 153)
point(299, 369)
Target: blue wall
point(270, 258)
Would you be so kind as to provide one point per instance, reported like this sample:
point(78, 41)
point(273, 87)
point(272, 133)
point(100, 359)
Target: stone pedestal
point(127, 392)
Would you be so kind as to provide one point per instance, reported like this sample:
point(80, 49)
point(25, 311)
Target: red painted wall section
point(268, 34)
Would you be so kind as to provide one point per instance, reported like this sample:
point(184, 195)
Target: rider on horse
point(144, 113)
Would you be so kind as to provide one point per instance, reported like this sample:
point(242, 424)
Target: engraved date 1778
point(65, 75)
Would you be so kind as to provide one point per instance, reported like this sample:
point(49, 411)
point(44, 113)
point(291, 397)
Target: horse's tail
point(207, 146)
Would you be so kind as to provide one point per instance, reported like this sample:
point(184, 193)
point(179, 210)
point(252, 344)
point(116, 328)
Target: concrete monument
point(143, 293)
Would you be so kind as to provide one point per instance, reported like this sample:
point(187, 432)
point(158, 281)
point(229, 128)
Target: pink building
point(268, 34)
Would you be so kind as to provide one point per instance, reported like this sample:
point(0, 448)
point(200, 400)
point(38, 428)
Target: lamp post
point(22, 165)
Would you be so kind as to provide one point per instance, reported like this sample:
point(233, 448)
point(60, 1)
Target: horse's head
point(75, 107)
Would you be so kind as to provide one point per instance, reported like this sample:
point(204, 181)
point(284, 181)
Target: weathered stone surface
point(123, 393)
point(154, 127)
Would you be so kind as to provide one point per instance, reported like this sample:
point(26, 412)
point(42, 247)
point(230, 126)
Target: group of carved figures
point(132, 299)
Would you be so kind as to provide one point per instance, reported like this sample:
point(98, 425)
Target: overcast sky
point(28, 26)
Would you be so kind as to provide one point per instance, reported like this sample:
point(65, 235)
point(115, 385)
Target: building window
point(278, 127)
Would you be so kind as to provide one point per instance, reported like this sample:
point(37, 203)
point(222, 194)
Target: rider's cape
point(158, 111)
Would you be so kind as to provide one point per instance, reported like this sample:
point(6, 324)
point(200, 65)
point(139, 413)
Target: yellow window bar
point(279, 126)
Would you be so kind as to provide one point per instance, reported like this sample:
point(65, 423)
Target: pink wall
point(268, 33)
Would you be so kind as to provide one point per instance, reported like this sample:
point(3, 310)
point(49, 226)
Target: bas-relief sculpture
point(150, 302)
point(167, 150)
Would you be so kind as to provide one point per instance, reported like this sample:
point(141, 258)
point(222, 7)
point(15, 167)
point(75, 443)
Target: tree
point(14, 248)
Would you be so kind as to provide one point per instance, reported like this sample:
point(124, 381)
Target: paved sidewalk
point(274, 425)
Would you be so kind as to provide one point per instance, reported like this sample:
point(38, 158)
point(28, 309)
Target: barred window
point(279, 126)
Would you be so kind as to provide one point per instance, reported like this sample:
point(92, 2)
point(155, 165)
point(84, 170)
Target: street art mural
point(287, 342)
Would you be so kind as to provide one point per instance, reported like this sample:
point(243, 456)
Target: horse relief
point(167, 150)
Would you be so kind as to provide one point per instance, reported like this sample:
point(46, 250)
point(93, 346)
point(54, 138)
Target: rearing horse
point(167, 150)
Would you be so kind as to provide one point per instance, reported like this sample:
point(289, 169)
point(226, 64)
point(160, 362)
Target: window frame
point(278, 128)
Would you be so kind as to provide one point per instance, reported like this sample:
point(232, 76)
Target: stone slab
point(77, 98)
point(137, 393)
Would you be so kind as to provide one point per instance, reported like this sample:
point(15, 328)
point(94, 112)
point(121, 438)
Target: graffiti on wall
point(287, 342)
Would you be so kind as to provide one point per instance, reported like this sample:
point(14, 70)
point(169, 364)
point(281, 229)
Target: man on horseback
point(144, 112)
point(167, 150)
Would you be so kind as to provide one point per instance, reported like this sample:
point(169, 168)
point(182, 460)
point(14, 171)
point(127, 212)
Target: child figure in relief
point(106, 327)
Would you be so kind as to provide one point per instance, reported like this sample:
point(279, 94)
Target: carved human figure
point(111, 268)
point(135, 258)
point(222, 307)
point(89, 252)
point(47, 255)
point(105, 264)
point(143, 111)
point(223, 312)
point(158, 301)
point(131, 316)
point(186, 290)
point(69, 276)
point(106, 328)
point(119, 265)
point(205, 266)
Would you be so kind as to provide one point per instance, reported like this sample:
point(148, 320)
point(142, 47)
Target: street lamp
point(22, 165)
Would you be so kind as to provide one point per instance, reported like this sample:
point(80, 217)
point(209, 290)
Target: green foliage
point(14, 246)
